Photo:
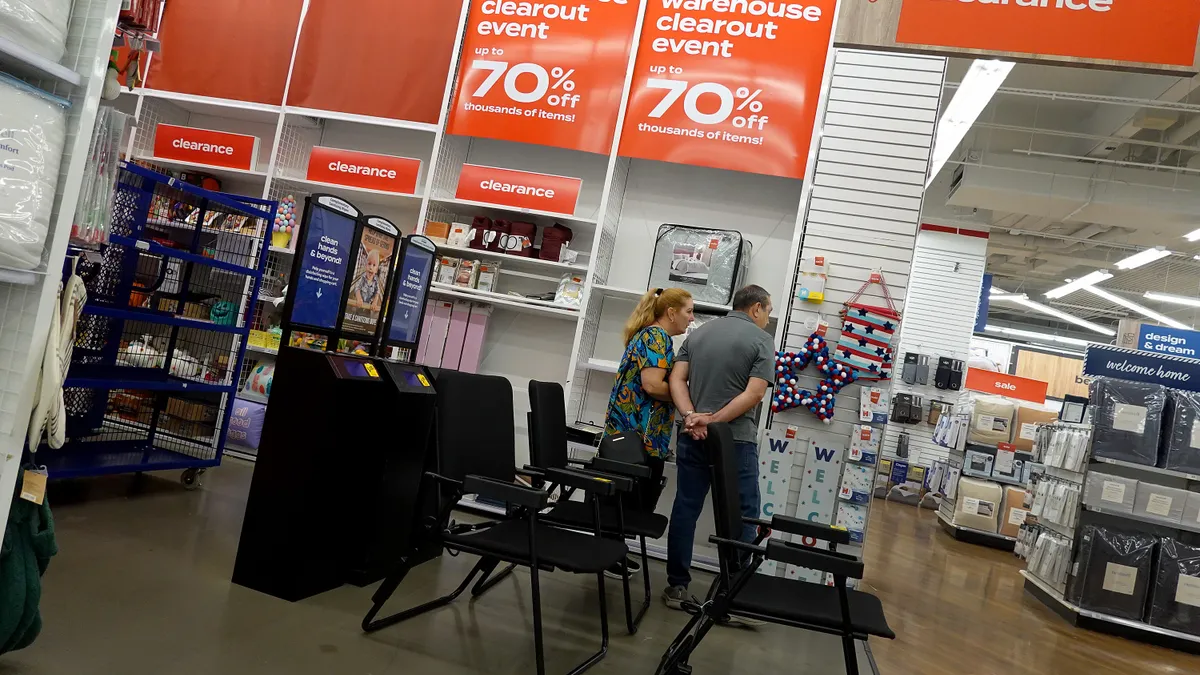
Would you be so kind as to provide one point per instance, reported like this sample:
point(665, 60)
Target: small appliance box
point(710, 264)
point(1182, 436)
point(1113, 493)
point(874, 404)
point(1127, 418)
point(1175, 600)
point(1159, 502)
point(1112, 572)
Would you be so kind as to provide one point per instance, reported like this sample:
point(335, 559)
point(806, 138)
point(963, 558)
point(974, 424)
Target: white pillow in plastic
point(978, 505)
point(37, 25)
point(33, 129)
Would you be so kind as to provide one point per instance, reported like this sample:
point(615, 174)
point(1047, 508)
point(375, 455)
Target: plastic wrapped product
point(1025, 429)
point(1159, 502)
point(1126, 419)
point(1111, 493)
point(32, 134)
point(37, 25)
point(1112, 572)
point(1013, 512)
point(1182, 440)
point(1175, 600)
point(710, 264)
point(978, 505)
point(1191, 510)
point(991, 421)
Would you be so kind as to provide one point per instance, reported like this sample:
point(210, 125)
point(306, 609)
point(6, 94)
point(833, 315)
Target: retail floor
point(141, 588)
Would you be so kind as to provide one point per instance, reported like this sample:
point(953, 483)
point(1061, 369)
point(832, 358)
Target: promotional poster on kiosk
point(369, 286)
point(323, 267)
point(415, 271)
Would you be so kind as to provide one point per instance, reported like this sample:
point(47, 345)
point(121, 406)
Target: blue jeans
point(691, 489)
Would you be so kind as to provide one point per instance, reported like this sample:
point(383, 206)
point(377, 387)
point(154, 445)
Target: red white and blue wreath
point(820, 403)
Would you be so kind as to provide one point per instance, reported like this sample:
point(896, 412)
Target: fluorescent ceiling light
point(1129, 304)
point(1024, 300)
point(1194, 235)
point(1082, 282)
point(1174, 299)
point(1144, 258)
point(974, 93)
point(1036, 336)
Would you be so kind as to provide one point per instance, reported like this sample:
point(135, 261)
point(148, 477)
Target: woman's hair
point(652, 306)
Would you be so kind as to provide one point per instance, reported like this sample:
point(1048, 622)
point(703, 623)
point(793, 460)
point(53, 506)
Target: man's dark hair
point(749, 296)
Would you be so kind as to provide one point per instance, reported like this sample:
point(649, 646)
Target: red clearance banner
point(1157, 31)
point(204, 146)
point(729, 84)
point(363, 170)
point(1003, 384)
point(545, 73)
point(518, 189)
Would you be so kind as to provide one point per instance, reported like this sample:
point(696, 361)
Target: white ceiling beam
point(1120, 121)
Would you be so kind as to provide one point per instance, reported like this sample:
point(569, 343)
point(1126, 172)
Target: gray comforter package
point(1175, 601)
point(1182, 437)
point(710, 264)
point(1112, 572)
point(1127, 419)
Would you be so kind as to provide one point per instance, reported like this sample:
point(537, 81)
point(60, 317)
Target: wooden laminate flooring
point(961, 609)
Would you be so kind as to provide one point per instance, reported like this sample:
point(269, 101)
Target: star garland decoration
point(820, 403)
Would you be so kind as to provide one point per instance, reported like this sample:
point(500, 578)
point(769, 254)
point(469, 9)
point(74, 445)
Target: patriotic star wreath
point(820, 403)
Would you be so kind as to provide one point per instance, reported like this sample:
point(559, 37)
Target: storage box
point(477, 326)
point(456, 335)
point(437, 231)
point(190, 411)
point(1159, 502)
point(1112, 493)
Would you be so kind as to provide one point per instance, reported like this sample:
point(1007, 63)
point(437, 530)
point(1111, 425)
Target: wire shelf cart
point(158, 351)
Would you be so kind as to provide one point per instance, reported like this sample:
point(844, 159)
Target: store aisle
point(961, 609)
point(141, 587)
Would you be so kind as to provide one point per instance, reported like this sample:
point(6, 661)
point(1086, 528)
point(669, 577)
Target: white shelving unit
point(27, 297)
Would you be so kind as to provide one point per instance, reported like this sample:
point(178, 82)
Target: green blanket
point(26, 552)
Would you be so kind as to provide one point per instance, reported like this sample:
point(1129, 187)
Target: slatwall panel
point(865, 206)
point(939, 318)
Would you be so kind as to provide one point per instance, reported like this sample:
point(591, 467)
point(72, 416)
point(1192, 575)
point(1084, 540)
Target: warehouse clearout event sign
point(729, 84)
point(550, 73)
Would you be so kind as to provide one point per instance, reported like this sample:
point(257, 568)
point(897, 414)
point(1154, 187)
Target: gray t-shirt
point(723, 355)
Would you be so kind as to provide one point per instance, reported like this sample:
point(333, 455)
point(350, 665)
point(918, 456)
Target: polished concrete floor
point(141, 587)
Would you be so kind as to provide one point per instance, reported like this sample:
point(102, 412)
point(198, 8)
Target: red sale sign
point(729, 84)
point(203, 146)
point(544, 72)
point(364, 170)
point(518, 189)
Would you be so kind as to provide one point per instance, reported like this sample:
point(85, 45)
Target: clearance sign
point(1143, 31)
point(363, 170)
point(544, 72)
point(729, 84)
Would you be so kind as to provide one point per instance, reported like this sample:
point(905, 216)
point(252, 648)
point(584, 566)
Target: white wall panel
point(939, 319)
point(864, 210)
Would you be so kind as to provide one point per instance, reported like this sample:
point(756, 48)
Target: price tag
point(33, 487)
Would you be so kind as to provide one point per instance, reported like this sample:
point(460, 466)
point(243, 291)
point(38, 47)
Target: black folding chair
point(477, 456)
point(740, 590)
point(548, 449)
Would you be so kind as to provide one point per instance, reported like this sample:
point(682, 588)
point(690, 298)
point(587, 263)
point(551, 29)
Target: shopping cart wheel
point(191, 478)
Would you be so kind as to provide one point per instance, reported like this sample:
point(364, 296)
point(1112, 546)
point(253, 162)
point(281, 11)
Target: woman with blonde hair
point(641, 398)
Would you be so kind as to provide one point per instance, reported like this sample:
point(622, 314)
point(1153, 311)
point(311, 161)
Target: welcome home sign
point(1169, 371)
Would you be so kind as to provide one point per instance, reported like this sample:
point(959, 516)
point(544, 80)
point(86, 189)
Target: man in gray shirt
point(721, 374)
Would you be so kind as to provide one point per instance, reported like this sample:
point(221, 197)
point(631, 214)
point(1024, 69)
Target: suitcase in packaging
point(710, 264)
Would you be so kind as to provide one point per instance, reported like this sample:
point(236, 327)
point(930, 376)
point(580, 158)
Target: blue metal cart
point(157, 353)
